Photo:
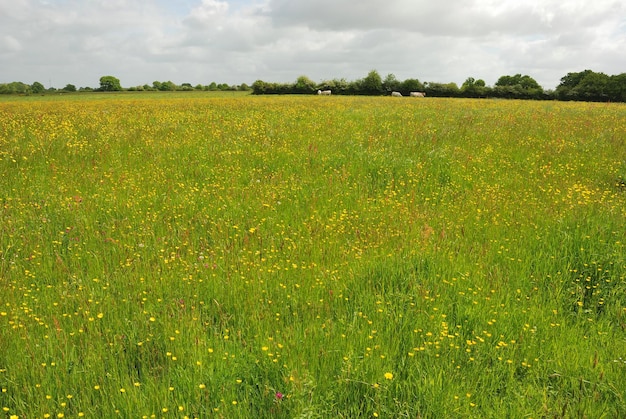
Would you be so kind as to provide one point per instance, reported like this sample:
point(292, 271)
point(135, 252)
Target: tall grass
point(312, 257)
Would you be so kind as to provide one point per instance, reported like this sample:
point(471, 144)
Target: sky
point(60, 42)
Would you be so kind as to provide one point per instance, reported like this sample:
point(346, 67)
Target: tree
point(567, 88)
point(16, 87)
point(473, 88)
point(69, 88)
point(169, 86)
point(616, 88)
point(411, 85)
point(37, 88)
point(593, 87)
point(110, 84)
point(442, 90)
point(304, 85)
point(526, 82)
point(337, 86)
point(518, 86)
point(391, 84)
point(372, 84)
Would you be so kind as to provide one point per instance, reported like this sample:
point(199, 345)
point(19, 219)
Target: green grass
point(172, 256)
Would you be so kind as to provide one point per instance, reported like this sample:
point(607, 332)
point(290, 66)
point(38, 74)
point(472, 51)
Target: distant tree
point(304, 85)
point(572, 80)
point(259, 87)
point(518, 86)
point(473, 88)
point(110, 84)
point(391, 84)
point(168, 86)
point(372, 84)
point(568, 87)
point(616, 88)
point(442, 89)
point(337, 86)
point(156, 85)
point(69, 88)
point(526, 82)
point(243, 87)
point(15, 87)
point(411, 85)
point(37, 88)
point(593, 87)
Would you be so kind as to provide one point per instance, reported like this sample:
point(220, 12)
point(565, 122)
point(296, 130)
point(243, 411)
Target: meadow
point(311, 257)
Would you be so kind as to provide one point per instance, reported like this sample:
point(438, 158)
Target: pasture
point(311, 257)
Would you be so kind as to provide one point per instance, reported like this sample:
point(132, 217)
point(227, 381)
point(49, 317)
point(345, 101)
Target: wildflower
point(388, 376)
point(279, 395)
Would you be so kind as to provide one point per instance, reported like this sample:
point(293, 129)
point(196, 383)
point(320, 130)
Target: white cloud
point(235, 41)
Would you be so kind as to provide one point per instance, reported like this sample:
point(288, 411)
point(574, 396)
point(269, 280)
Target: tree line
point(112, 84)
point(586, 85)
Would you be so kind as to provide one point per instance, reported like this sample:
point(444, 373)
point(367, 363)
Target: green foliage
point(110, 84)
point(372, 84)
point(37, 88)
point(525, 82)
point(304, 85)
point(442, 89)
point(473, 88)
point(591, 86)
point(411, 85)
point(391, 84)
point(14, 88)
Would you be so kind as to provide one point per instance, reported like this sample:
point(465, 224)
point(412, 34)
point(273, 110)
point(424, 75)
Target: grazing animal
point(396, 94)
point(417, 94)
point(324, 92)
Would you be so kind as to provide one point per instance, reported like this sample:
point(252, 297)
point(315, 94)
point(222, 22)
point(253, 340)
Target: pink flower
point(279, 395)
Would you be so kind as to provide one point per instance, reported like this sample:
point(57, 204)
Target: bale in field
point(396, 94)
point(324, 92)
point(417, 94)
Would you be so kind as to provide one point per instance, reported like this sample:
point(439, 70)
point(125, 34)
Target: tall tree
point(304, 85)
point(391, 83)
point(37, 87)
point(110, 84)
point(567, 88)
point(372, 84)
point(593, 87)
point(616, 88)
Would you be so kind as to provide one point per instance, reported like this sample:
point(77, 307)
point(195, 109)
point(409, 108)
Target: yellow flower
point(388, 376)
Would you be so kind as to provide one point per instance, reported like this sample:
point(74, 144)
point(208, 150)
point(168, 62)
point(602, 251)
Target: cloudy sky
point(57, 42)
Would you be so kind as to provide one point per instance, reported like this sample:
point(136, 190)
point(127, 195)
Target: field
point(311, 257)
